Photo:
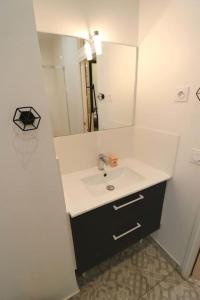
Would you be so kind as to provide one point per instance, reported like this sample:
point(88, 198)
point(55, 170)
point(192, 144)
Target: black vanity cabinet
point(110, 228)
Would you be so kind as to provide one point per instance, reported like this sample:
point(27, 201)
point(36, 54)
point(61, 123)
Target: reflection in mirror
point(85, 96)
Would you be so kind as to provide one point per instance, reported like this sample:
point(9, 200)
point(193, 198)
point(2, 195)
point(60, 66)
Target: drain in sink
point(110, 187)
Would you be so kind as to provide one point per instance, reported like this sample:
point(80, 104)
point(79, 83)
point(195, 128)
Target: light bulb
point(97, 43)
point(88, 50)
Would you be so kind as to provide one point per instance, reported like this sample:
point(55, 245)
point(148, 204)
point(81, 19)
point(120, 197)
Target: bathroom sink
point(107, 182)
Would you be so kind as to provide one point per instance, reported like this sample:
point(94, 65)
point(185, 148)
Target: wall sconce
point(95, 41)
point(88, 50)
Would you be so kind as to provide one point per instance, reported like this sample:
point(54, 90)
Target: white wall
point(156, 148)
point(62, 16)
point(169, 58)
point(35, 258)
point(117, 21)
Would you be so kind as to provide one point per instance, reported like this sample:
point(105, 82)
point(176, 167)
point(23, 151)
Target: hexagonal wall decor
point(26, 118)
point(198, 94)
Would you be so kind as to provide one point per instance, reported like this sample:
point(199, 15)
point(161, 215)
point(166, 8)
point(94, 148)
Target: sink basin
point(116, 179)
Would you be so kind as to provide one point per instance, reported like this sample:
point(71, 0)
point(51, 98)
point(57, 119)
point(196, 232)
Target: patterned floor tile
point(152, 263)
point(173, 287)
point(127, 275)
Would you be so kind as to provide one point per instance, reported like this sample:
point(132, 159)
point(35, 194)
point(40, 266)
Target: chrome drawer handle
point(127, 232)
point(128, 203)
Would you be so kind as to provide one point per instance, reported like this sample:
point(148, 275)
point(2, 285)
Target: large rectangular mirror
point(85, 96)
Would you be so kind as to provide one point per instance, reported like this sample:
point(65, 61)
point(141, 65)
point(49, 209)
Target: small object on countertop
point(113, 160)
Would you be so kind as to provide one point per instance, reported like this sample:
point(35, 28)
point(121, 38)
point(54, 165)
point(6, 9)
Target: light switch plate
point(195, 157)
point(182, 94)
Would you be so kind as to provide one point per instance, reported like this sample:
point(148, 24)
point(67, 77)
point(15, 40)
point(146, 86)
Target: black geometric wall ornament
point(26, 118)
point(198, 94)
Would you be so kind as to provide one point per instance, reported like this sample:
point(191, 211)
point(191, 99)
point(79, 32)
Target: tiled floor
point(142, 271)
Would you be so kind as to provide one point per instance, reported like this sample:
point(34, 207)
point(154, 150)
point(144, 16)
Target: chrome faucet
point(102, 160)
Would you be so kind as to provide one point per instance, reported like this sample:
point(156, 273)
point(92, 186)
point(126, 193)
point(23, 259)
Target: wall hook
point(198, 94)
point(101, 96)
point(26, 118)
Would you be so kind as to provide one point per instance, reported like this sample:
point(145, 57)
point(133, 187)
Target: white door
point(116, 80)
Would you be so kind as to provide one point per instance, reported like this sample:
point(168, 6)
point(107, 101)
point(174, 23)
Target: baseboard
point(73, 294)
point(178, 267)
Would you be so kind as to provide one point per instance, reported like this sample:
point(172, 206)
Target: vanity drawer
point(138, 204)
point(108, 229)
point(93, 250)
point(120, 212)
point(139, 228)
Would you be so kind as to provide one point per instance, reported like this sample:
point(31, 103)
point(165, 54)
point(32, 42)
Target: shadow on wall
point(25, 145)
point(152, 16)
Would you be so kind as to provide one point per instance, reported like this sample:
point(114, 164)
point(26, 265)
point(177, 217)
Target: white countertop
point(79, 200)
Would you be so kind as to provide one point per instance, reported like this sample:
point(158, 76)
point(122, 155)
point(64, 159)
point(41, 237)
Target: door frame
point(192, 249)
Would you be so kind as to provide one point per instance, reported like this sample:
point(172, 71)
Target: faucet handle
point(103, 157)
